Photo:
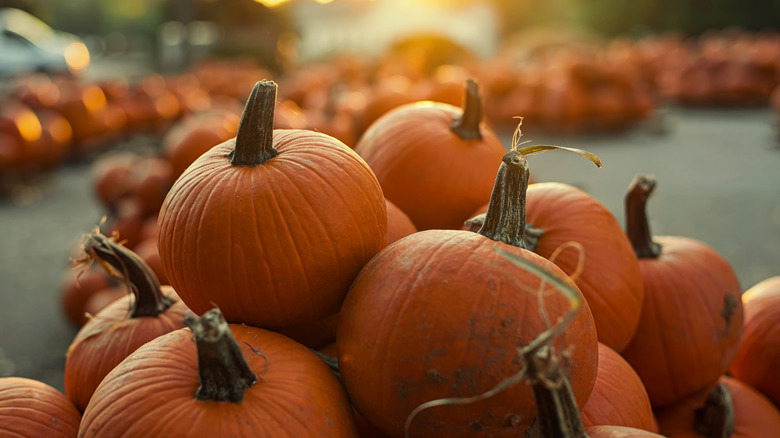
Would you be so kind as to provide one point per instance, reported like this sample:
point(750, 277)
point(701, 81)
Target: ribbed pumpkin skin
point(108, 338)
point(152, 393)
point(684, 341)
point(610, 279)
point(758, 357)
point(440, 313)
point(277, 244)
point(754, 415)
point(430, 173)
point(619, 397)
point(29, 408)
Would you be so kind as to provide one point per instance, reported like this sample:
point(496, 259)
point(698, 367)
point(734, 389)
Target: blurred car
point(27, 44)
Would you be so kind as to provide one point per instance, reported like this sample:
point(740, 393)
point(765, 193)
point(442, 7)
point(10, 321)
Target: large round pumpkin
point(691, 319)
point(29, 408)
point(435, 161)
point(233, 380)
point(758, 357)
point(271, 226)
point(440, 313)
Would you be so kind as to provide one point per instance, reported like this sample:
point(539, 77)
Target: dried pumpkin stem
point(149, 299)
point(467, 125)
point(558, 415)
point(224, 372)
point(637, 226)
point(716, 418)
point(255, 137)
point(505, 218)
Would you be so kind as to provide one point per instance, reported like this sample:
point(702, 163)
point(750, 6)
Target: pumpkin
point(314, 335)
point(387, 94)
point(112, 177)
point(434, 161)
point(307, 210)
point(146, 249)
point(619, 397)
point(607, 269)
point(152, 177)
point(758, 356)
point(398, 223)
point(691, 318)
point(192, 136)
point(439, 314)
point(122, 326)
point(29, 408)
point(76, 288)
point(234, 380)
point(731, 408)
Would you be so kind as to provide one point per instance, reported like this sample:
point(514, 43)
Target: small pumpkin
point(691, 319)
point(77, 287)
point(619, 397)
point(730, 408)
point(398, 223)
point(307, 210)
point(122, 326)
point(29, 408)
point(758, 356)
point(233, 380)
point(435, 161)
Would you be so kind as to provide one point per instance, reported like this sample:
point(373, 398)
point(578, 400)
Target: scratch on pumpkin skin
point(729, 304)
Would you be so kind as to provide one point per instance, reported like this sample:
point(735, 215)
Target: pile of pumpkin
point(724, 68)
point(47, 120)
point(498, 308)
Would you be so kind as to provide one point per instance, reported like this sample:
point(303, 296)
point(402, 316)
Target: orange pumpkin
point(307, 211)
point(29, 408)
point(731, 409)
point(398, 223)
point(619, 397)
point(434, 161)
point(77, 287)
point(122, 326)
point(234, 380)
point(758, 356)
point(691, 319)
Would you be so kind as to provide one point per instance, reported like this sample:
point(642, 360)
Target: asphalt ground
point(718, 182)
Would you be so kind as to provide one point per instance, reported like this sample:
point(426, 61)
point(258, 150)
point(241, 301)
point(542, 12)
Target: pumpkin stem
point(141, 281)
point(558, 415)
point(637, 226)
point(467, 125)
point(224, 372)
point(505, 218)
point(716, 418)
point(255, 137)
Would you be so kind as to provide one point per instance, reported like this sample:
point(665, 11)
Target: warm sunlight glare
point(29, 126)
point(77, 57)
point(272, 3)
